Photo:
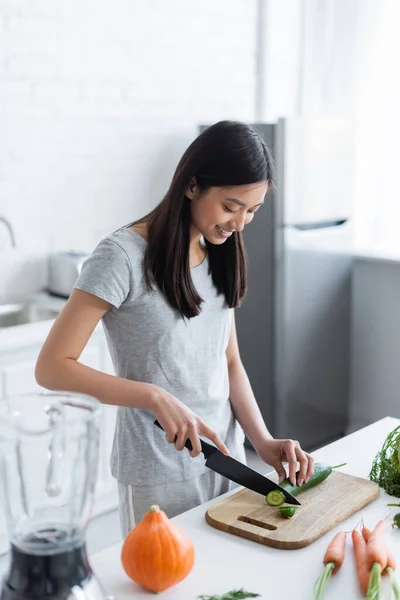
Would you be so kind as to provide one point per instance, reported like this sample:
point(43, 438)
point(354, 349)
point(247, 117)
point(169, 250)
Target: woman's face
point(220, 211)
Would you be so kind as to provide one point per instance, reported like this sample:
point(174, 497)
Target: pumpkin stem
point(155, 508)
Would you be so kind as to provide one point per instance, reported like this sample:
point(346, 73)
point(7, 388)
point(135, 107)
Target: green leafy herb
point(233, 595)
point(385, 469)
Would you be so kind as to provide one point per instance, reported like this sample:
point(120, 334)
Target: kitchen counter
point(225, 562)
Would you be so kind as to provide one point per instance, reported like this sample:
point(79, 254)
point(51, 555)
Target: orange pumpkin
point(157, 554)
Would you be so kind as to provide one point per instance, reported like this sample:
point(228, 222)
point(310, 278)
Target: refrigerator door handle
point(316, 224)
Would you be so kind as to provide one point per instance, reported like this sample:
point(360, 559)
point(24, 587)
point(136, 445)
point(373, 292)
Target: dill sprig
point(385, 470)
point(233, 595)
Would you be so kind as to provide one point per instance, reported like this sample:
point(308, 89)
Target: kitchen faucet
point(10, 230)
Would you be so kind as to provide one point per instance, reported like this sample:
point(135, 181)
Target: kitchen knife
point(238, 472)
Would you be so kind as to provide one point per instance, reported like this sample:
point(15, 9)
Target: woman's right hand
point(180, 423)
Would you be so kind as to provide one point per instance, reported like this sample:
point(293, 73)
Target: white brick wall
point(98, 99)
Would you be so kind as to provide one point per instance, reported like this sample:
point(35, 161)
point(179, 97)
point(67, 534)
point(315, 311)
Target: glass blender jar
point(49, 448)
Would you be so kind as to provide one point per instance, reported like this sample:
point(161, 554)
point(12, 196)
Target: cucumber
point(287, 511)
point(275, 498)
point(321, 472)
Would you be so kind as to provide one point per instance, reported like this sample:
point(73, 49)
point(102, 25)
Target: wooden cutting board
point(323, 507)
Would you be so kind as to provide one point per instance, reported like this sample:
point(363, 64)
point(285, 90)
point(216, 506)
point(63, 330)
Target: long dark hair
point(226, 154)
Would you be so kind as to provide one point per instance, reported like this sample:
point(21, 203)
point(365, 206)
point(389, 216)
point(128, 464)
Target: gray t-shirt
point(150, 342)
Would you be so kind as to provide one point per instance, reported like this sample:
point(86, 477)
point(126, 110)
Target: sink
point(15, 314)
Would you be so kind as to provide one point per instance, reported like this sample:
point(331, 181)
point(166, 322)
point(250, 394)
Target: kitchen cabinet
point(17, 377)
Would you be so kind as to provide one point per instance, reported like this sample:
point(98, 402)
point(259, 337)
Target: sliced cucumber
point(275, 498)
point(287, 511)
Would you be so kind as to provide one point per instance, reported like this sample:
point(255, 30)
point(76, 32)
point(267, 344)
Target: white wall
point(98, 100)
point(375, 335)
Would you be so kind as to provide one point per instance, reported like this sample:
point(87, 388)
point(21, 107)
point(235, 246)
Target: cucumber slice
point(287, 511)
point(275, 498)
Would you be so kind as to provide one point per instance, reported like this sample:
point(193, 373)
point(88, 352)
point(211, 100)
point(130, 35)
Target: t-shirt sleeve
point(106, 273)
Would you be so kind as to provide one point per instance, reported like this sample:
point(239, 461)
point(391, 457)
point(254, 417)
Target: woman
point(165, 288)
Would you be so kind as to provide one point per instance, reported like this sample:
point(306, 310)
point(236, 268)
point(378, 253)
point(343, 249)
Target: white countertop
point(225, 561)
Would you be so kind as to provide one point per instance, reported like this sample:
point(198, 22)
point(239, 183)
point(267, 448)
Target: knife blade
point(238, 472)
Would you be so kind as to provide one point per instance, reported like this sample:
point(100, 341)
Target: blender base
point(65, 575)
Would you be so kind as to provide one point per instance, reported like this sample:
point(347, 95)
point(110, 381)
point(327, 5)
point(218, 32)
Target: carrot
point(376, 548)
point(366, 533)
point(360, 549)
point(391, 561)
point(390, 566)
point(390, 569)
point(335, 551)
point(376, 558)
point(333, 560)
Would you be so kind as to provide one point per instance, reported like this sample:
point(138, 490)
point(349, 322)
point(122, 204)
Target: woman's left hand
point(276, 452)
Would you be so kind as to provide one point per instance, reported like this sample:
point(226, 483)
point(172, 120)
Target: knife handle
point(205, 447)
point(188, 443)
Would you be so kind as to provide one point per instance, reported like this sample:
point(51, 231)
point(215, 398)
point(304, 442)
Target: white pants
point(173, 498)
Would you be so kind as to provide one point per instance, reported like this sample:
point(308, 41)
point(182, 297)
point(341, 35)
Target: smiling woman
point(217, 216)
point(220, 181)
point(165, 287)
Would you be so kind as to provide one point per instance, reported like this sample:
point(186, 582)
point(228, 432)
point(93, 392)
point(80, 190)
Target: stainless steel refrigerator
point(294, 325)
